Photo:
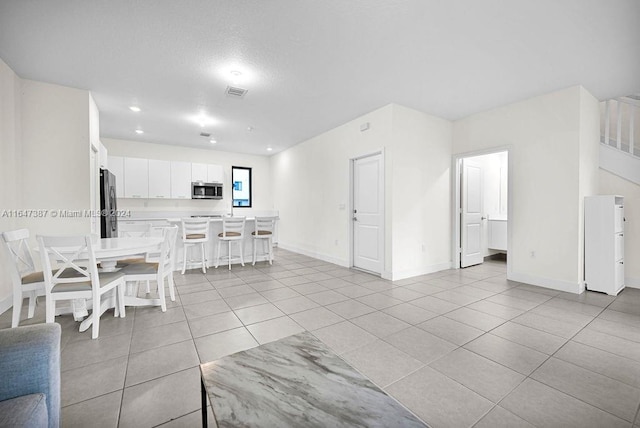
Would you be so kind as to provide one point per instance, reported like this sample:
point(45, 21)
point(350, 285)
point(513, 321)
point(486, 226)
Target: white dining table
point(108, 251)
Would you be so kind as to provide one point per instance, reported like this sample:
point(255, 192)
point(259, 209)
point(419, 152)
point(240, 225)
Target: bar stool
point(195, 232)
point(232, 231)
point(264, 232)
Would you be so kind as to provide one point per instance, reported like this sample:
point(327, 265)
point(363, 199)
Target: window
point(241, 179)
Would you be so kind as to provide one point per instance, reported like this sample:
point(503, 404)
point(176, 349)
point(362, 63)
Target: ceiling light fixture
point(202, 119)
point(269, 149)
point(212, 141)
point(250, 128)
point(235, 76)
point(134, 108)
point(139, 131)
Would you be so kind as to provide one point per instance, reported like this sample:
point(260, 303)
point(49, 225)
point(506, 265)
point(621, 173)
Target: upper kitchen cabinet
point(207, 173)
point(181, 180)
point(136, 182)
point(199, 172)
point(159, 179)
point(215, 174)
point(115, 164)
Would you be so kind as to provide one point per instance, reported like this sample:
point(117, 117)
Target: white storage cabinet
point(180, 180)
point(136, 178)
point(604, 243)
point(159, 179)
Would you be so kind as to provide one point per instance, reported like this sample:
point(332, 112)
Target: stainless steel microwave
point(200, 190)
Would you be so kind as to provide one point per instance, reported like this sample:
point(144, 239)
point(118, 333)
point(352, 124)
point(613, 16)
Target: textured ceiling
point(310, 66)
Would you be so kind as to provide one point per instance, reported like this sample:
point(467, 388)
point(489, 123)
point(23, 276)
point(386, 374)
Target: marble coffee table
point(293, 382)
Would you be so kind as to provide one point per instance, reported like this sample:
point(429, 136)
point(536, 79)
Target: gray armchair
point(30, 376)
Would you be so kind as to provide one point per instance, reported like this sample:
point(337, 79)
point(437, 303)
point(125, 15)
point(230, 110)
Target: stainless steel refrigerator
point(108, 205)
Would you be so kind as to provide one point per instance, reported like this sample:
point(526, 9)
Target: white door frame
point(350, 213)
point(455, 200)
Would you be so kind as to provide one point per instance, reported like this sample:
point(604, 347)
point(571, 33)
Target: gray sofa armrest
point(30, 364)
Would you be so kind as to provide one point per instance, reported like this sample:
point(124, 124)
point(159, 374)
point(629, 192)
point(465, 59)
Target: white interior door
point(471, 217)
point(368, 213)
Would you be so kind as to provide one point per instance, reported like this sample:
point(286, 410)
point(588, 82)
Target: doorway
point(367, 196)
point(481, 207)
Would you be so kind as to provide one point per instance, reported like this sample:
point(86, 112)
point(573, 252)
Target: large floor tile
point(203, 309)
point(409, 313)
point(221, 344)
point(194, 288)
point(214, 324)
point(589, 297)
point(344, 336)
point(527, 295)
point(424, 288)
point(313, 319)
point(258, 313)
point(200, 296)
point(382, 362)
point(616, 345)
point(99, 412)
point(488, 378)
point(435, 305)
point(611, 365)
point(420, 344)
point(380, 324)
point(353, 291)
point(152, 317)
point(621, 317)
point(295, 304)
point(448, 329)
point(613, 328)
point(456, 297)
point(350, 309)
point(501, 418)
point(512, 302)
point(158, 362)
point(279, 294)
point(160, 336)
point(439, 400)
point(530, 337)
point(245, 300)
point(274, 329)
point(86, 352)
point(160, 400)
point(495, 309)
point(548, 325)
point(572, 306)
point(562, 314)
point(236, 290)
point(510, 354)
point(92, 381)
point(379, 301)
point(600, 391)
point(327, 297)
point(475, 318)
point(547, 407)
point(403, 294)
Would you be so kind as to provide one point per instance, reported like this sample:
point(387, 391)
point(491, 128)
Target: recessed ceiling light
point(235, 76)
point(202, 119)
point(250, 128)
point(269, 149)
point(212, 141)
point(139, 131)
point(134, 108)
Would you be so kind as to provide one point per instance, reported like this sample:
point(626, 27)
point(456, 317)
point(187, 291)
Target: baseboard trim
point(314, 254)
point(6, 304)
point(554, 284)
point(632, 282)
point(410, 273)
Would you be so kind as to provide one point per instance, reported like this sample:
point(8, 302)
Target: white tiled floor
point(458, 348)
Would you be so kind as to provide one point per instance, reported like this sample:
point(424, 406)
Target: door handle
point(483, 218)
point(355, 219)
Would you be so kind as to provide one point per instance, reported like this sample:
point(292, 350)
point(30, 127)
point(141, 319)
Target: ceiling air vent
point(205, 134)
point(236, 92)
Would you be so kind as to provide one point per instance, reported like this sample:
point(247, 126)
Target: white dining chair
point(263, 233)
point(71, 280)
point(195, 233)
point(134, 230)
point(26, 281)
point(232, 231)
point(158, 271)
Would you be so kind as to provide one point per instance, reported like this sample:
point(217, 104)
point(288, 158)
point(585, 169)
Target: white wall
point(545, 135)
point(420, 198)
point(611, 184)
point(55, 156)
point(10, 154)
point(312, 190)
point(261, 176)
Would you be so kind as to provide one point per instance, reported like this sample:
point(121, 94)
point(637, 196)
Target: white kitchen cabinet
point(180, 180)
point(199, 172)
point(215, 174)
point(159, 179)
point(136, 178)
point(115, 164)
point(604, 243)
